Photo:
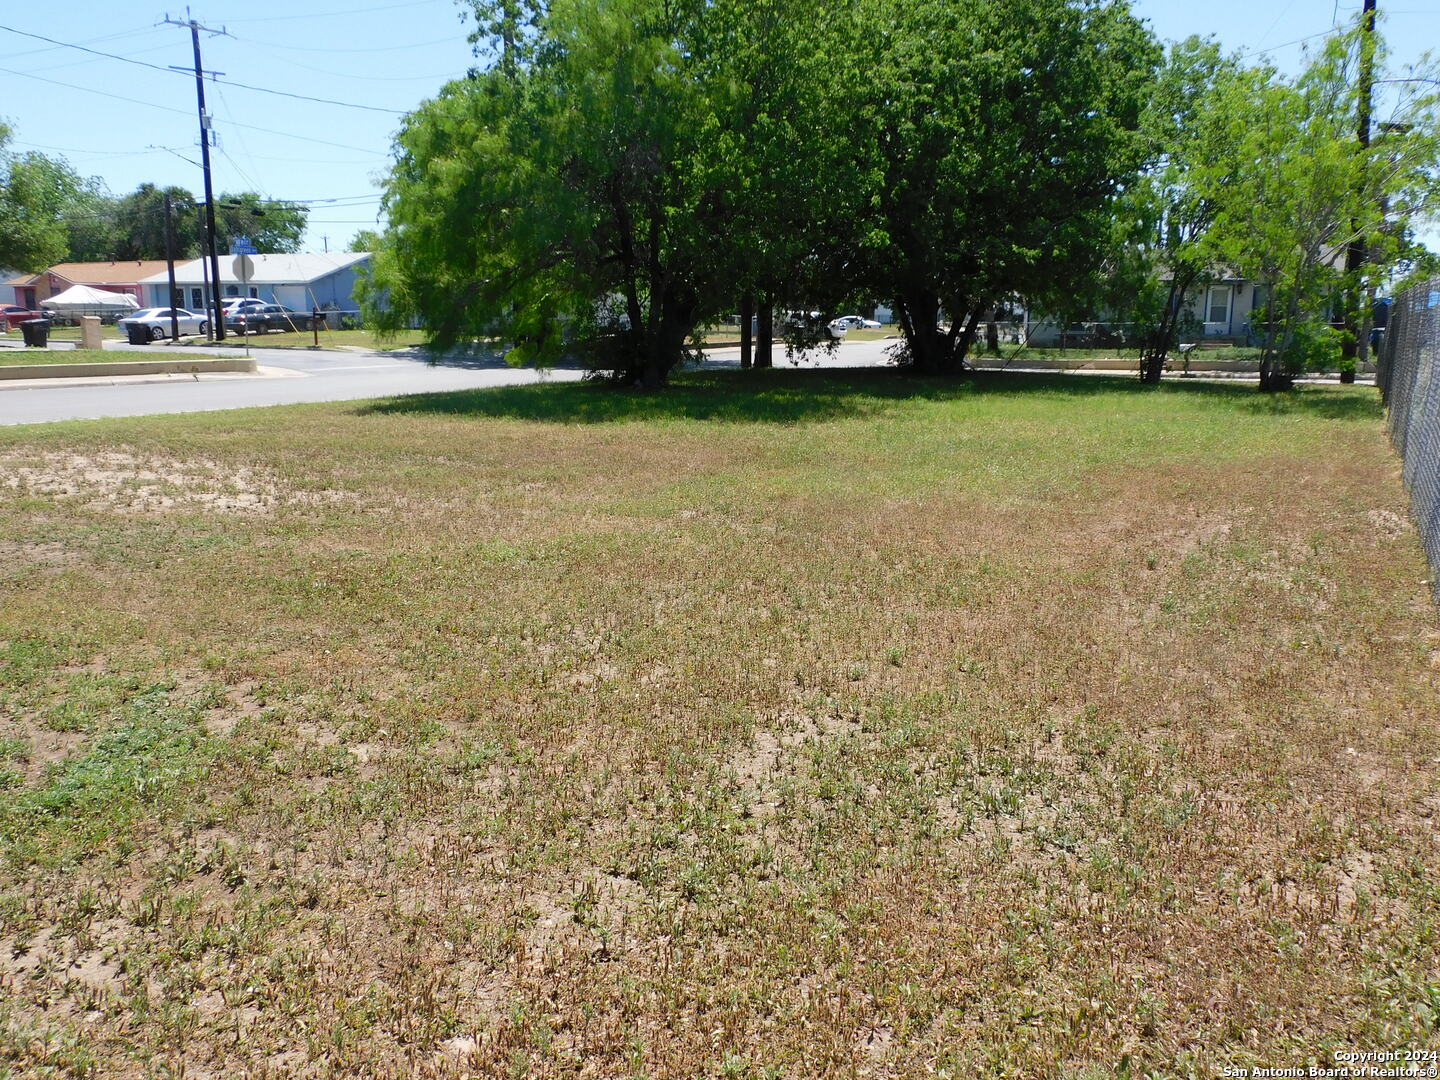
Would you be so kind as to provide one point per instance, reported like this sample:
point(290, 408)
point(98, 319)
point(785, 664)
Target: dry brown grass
point(1033, 730)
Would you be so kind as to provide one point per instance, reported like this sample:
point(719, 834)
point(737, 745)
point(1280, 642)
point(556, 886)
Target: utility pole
point(1356, 254)
point(170, 269)
point(217, 324)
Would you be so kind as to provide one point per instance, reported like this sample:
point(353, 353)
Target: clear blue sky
point(128, 124)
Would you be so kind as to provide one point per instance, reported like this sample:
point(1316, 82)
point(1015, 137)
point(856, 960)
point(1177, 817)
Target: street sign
point(241, 245)
point(243, 267)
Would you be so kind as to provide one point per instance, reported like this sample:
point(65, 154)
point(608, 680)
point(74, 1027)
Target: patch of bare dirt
point(1387, 523)
point(52, 558)
point(43, 747)
point(131, 484)
point(240, 704)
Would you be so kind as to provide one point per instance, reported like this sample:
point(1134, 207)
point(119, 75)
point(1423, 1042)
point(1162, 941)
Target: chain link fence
point(1409, 380)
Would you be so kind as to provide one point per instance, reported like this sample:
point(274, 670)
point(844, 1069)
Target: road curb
point(138, 367)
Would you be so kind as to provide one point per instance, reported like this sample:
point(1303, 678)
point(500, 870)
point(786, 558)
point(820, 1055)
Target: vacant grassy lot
point(789, 726)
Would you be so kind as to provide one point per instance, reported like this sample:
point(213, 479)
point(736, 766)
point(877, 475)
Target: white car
point(855, 322)
point(235, 305)
point(157, 320)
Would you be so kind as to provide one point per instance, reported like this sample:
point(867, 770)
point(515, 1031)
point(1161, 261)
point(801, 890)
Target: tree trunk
point(958, 351)
point(1152, 364)
point(930, 347)
point(992, 337)
point(747, 313)
point(763, 357)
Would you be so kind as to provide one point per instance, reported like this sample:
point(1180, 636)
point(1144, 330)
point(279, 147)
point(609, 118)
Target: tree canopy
point(35, 192)
point(49, 214)
point(620, 172)
point(626, 170)
point(1002, 134)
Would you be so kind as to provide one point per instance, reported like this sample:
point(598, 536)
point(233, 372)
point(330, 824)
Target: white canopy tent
point(81, 300)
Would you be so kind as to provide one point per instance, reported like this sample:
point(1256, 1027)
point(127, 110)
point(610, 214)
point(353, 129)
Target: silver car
point(157, 322)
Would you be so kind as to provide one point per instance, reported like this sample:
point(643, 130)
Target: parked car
point(15, 315)
point(857, 322)
point(276, 317)
point(234, 305)
point(157, 320)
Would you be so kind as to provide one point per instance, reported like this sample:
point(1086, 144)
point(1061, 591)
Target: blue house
point(303, 281)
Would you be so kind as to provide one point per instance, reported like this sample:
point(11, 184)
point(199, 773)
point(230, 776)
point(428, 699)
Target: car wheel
point(156, 333)
point(204, 329)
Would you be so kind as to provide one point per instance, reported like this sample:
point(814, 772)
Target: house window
point(1217, 307)
point(231, 290)
point(254, 293)
point(197, 299)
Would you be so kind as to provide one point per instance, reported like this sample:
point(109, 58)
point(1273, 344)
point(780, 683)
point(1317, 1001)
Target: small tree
point(1202, 104)
point(1306, 188)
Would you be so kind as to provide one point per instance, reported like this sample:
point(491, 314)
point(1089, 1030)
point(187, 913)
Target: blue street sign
point(241, 245)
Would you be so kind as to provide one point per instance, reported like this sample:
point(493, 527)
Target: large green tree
point(582, 195)
point(275, 227)
point(35, 192)
point(628, 169)
point(1002, 134)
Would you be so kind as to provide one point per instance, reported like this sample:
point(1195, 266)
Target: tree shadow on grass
point(815, 396)
point(1360, 403)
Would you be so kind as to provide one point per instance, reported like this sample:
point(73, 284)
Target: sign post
point(244, 268)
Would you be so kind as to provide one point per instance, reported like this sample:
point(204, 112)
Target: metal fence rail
point(1410, 386)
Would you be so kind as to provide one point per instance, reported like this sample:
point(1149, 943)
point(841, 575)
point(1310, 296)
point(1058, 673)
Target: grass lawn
point(797, 724)
point(331, 339)
point(1229, 354)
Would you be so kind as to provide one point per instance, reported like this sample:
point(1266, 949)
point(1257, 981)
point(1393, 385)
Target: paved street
point(285, 377)
point(289, 376)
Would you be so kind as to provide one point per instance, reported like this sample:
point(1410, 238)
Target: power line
point(307, 97)
point(347, 12)
point(215, 78)
point(182, 112)
point(105, 153)
point(1285, 44)
point(432, 78)
point(79, 61)
point(102, 93)
point(384, 48)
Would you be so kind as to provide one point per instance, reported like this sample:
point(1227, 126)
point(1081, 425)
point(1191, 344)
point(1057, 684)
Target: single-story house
point(301, 281)
point(1219, 311)
point(30, 290)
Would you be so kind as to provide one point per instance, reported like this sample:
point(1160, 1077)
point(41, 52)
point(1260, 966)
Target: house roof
point(129, 272)
point(269, 269)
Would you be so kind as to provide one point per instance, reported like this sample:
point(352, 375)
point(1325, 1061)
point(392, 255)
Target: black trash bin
point(137, 333)
point(37, 332)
